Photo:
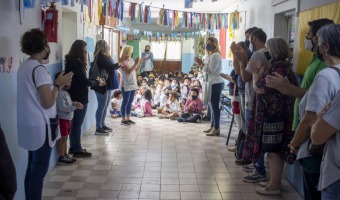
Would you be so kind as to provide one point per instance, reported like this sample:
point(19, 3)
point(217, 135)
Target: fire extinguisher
point(51, 23)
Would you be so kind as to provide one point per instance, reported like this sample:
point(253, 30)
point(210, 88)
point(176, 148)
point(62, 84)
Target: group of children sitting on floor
point(176, 96)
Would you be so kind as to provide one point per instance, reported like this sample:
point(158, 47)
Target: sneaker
point(232, 148)
point(82, 154)
point(242, 162)
point(131, 122)
point(108, 129)
point(125, 123)
point(70, 151)
point(248, 168)
point(64, 161)
point(71, 158)
point(265, 191)
point(101, 131)
point(254, 177)
point(173, 118)
point(180, 119)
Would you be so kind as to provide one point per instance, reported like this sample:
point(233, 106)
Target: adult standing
point(35, 107)
point(76, 62)
point(212, 67)
point(128, 82)
point(324, 89)
point(107, 67)
point(147, 66)
point(310, 164)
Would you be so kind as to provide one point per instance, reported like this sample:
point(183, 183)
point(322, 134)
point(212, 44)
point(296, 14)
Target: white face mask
point(308, 44)
point(138, 96)
point(251, 47)
point(143, 84)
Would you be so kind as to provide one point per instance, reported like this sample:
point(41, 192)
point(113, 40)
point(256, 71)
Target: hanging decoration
point(132, 12)
point(140, 13)
point(147, 15)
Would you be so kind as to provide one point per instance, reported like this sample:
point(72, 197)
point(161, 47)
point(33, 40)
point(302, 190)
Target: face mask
point(174, 85)
point(147, 50)
point(143, 84)
point(166, 76)
point(132, 55)
point(47, 54)
point(251, 47)
point(267, 55)
point(194, 97)
point(199, 75)
point(210, 47)
point(139, 96)
point(308, 45)
point(190, 76)
point(247, 43)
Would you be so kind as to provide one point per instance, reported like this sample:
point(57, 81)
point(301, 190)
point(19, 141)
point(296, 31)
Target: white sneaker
point(263, 183)
point(264, 191)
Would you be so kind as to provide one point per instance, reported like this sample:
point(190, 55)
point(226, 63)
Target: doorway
point(69, 30)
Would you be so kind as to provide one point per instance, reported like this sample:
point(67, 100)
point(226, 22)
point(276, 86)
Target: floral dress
point(271, 104)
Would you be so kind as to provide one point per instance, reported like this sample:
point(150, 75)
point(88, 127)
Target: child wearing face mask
point(192, 109)
point(143, 108)
point(175, 86)
point(172, 108)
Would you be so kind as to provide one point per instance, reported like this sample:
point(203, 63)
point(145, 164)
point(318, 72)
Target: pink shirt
point(194, 106)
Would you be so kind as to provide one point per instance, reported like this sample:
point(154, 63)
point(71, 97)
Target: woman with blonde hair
point(212, 67)
point(128, 82)
point(107, 68)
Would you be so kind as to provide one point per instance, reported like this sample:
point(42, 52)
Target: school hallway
point(156, 159)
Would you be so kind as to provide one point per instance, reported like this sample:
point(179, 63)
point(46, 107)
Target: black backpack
point(240, 145)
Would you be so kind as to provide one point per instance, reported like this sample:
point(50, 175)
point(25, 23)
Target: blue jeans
point(38, 162)
point(247, 115)
point(75, 135)
point(332, 192)
point(259, 166)
point(103, 102)
point(128, 97)
point(216, 90)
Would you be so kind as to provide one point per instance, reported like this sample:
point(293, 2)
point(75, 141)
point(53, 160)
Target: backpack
point(240, 144)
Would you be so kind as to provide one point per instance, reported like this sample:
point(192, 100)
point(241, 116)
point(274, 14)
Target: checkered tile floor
point(156, 159)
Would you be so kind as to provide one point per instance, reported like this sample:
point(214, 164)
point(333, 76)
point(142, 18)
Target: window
point(174, 51)
point(158, 50)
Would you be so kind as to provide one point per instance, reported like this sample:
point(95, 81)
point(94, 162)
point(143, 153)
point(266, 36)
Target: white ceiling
point(205, 6)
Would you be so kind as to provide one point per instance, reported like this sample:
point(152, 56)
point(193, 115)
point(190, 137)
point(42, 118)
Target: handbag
point(272, 134)
point(54, 125)
point(94, 71)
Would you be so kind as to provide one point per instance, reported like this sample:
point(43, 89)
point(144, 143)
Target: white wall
point(10, 46)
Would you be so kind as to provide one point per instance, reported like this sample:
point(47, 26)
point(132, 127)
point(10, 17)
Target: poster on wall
point(6, 64)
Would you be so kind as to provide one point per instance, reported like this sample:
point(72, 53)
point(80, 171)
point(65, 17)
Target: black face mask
point(320, 55)
point(247, 43)
point(210, 47)
point(194, 97)
point(47, 54)
point(132, 55)
point(267, 55)
point(147, 50)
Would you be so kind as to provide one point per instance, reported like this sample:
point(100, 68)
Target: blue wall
point(187, 62)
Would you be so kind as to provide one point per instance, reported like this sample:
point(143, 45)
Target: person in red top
point(193, 108)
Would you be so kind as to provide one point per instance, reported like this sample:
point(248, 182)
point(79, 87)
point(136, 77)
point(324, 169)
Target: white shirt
point(323, 89)
point(118, 103)
point(174, 107)
point(31, 116)
point(128, 81)
point(213, 68)
point(249, 88)
point(148, 64)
